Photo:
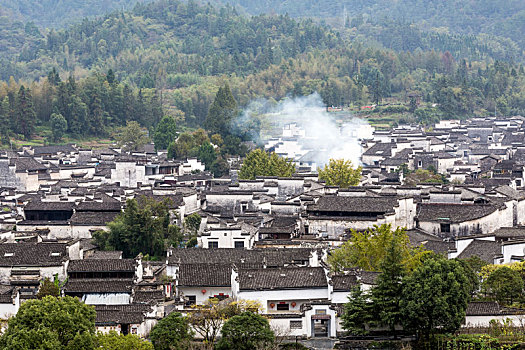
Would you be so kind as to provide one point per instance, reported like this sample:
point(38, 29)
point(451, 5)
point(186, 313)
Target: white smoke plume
point(321, 135)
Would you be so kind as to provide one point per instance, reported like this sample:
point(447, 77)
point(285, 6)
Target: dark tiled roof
point(483, 308)
point(101, 265)
point(380, 149)
point(206, 275)
point(282, 278)
point(485, 250)
point(53, 149)
point(106, 205)
point(368, 277)
point(99, 285)
point(92, 218)
point(27, 164)
point(240, 257)
point(106, 254)
point(344, 282)
point(354, 204)
point(453, 212)
point(148, 296)
point(32, 254)
point(510, 232)
point(121, 314)
point(49, 206)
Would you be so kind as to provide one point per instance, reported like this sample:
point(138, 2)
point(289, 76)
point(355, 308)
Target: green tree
point(504, 285)
point(192, 223)
point(246, 332)
point(260, 163)
point(357, 312)
point(367, 250)
point(26, 116)
point(207, 154)
point(172, 333)
point(115, 341)
point(48, 287)
point(388, 293)
point(339, 172)
point(165, 133)
point(131, 137)
point(435, 297)
point(58, 126)
point(51, 323)
point(144, 227)
point(221, 113)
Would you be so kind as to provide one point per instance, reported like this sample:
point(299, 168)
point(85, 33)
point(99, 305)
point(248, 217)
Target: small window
point(239, 244)
point(55, 254)
point(444, 228)
point(213, 245)
point(518, 182)
point(419, 164)
point(296, 324)
point(9, 254)
point(283, 307)
point(192, 299)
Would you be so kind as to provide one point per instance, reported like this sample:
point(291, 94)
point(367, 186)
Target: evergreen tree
point(388, 293)
point(357, 312)
point(26, 113)
point(165, 133)
point(58, 126)
point(222, 112)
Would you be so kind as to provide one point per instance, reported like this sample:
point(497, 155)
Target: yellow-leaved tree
point(339, 172)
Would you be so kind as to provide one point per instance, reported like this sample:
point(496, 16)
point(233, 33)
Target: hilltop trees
point(339, 172)
point(260, 163)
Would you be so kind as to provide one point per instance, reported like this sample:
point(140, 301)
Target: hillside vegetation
point(177, 54)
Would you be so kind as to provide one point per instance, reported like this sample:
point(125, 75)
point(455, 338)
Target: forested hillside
point(57, 13)
point(504, 18)
point(178, 54)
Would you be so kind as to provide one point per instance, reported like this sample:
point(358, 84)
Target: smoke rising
point(311, 133)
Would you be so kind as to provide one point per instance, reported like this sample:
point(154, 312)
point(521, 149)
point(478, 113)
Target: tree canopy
point(131, 137)
point(339, 172)
point(435, 296)
point(260, 163)
point(246, 331)
point(368, 249)
point(172, 333)
point(165, 132)
point(144, 227)
point(51, 323)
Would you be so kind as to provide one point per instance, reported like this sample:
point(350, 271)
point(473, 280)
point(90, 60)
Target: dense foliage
point(368, 249)
point(88, 107)
point(172, 332)
point(51, 323)
point(339, 172)
point(261, 163)
point(144, 227)
point(500, 17)
point(246, 331)
point(188, 58)
point(431, 299)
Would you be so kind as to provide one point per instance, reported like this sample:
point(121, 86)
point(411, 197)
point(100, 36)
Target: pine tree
point(26, 115)
point(387, 294)
point(222, 112)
